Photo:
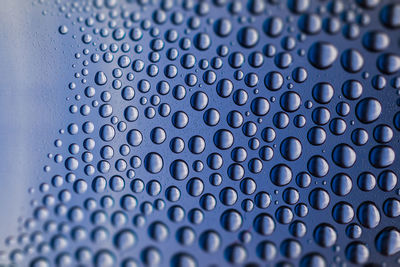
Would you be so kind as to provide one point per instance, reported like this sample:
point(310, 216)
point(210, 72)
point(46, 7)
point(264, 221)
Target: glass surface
point(199, 133)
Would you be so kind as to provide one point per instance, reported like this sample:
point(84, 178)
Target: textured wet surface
point(214, 133)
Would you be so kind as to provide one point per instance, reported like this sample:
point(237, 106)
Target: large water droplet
point(322, 55)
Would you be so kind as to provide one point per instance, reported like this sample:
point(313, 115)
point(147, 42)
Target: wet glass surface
point(199, 133)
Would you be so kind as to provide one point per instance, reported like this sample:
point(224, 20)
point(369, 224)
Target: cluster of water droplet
point(216, 132)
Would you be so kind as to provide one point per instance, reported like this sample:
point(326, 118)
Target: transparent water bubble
point(248, 37)
point(322, 55)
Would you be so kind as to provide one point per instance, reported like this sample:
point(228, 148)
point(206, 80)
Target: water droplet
point(248, 37)
point(322, 55)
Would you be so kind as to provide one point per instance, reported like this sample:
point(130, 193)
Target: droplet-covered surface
point(221, 132)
